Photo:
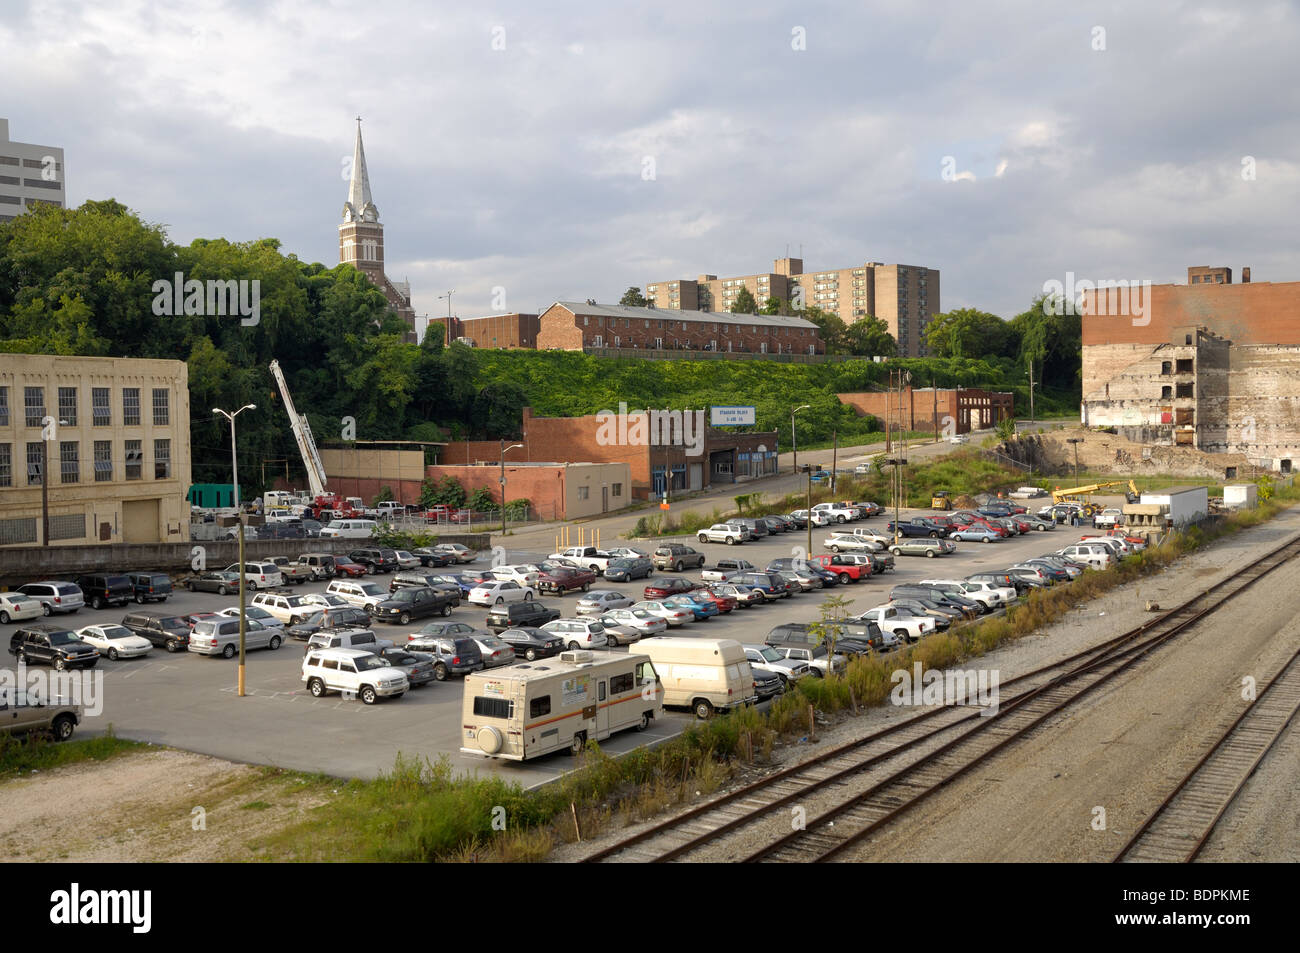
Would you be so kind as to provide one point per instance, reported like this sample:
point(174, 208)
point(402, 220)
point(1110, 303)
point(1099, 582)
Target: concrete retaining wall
point(30, 563)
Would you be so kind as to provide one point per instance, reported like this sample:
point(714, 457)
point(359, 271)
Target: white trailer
point(533, 708)
point(1186, 504)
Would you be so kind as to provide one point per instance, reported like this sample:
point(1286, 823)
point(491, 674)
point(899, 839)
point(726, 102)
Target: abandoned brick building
point(1210, 364)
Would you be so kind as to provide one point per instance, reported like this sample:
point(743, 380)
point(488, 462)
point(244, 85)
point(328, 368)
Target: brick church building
point(361, 239)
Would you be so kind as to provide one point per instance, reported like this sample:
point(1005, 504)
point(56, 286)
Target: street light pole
point(504, 451)
point(234, 466)
point(794, 441)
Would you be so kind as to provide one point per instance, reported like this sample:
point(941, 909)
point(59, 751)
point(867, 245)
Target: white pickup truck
point(588, 557)
point(837, 512)
point(725, 569)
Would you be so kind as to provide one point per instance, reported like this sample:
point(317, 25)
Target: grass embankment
point(964, 472)
point(419, 812)
point(36, 753)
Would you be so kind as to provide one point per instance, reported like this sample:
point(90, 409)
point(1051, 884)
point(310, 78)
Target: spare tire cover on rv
point(489, 739)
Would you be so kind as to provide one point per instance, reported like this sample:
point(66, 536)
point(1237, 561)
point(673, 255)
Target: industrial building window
point(133, 457)
point(69, 462)
point(1183, 366)
point(103, 460)
point(101, 415)
point(162, 459)
point(131, 407)
point(6, 464)
point(582, 492)
point(4, 406)
point(18, 531)
point(1166, 367)
point(1166, 392)
point(68, 406)
point(35, 463)
point(161, 412)
point(617, 490)
point(68, 526)
point(1183, 390)
point(34, 405)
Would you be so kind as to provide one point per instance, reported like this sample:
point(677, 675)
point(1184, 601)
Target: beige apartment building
point(116, 433)
point(905, 297)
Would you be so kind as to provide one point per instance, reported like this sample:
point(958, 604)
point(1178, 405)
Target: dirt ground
point(162, 805)
point(1110, 453)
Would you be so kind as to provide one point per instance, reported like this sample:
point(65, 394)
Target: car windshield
point(316, 618)
point(368, 663)
point(114, 631)
point(62, 638)
point(398, 658)
point(370, 589)
point(770, 654)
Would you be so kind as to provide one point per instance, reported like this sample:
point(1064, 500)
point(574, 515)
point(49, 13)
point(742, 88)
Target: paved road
point(188, 700)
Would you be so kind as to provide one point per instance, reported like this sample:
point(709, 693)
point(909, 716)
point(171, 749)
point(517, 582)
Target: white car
point(354, 672)
point(601, 601)
point(578, 633)
point(959, 438)
point(900, 622)
point(817, 518)
point(362, 595)
point(491, 592)
point(289, 609)
point(327, 599)
point(115, 641)
point(16, 607)
point(981, 592)
point(406, 561)
point(525, 575)
point(669, 614)
point(458, 552)
point(852, 543)
point(623, 552)
point(254, 614)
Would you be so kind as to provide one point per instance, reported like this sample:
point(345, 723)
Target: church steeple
point(359, 206)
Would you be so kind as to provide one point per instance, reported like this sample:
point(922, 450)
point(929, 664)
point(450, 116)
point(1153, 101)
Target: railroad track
point(1179, 828)
point(921, 754)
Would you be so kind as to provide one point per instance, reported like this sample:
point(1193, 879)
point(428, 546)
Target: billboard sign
point(732, 416)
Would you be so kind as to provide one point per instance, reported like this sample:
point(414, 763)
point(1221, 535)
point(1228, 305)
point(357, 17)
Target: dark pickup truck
point(410, 603)
point(919, 526)
point(167, 631)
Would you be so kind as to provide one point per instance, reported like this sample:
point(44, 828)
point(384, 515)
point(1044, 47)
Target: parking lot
point(189, 701)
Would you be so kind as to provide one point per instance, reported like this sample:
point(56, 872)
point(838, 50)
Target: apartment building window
point(133, 456)
point(4, 406)
point(101, 415)
point(103, 461)
point(598, 341)
point(6, 464)
point(161, 410)
point(585, 321)
point(69, 462)
point(68, 406)
point(34, 405)
point(35, 463)
point(162, 459)
point(582, 492)
point(616, 490)
point(659, 344)
point(131, 406)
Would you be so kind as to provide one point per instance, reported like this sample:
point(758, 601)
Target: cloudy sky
point(568, 150)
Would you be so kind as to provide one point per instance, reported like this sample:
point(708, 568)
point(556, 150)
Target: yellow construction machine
point(1079, 494)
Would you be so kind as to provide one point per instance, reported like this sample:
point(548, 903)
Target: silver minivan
point(221, 637)
point(54, 595)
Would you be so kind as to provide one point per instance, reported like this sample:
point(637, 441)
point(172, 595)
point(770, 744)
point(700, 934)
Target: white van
point(705, 675)
point(533, 708)
point(349, 529)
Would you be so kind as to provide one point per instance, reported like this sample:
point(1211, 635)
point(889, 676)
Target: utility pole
point(934, 387)
point(1076, 441)
point(889, 396)
point(504, 450)
point(835, 456)
point(794, 441)
point(234, 466)
point(1031, 396)
point(808, 468)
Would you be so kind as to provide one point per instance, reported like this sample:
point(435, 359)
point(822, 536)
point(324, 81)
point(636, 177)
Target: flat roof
point(674, 314)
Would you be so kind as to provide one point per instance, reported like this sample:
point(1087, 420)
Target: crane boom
point(302, 433)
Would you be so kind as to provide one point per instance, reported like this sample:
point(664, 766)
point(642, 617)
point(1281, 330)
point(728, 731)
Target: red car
point(347, 567)
point(668, 586)
point(724, 603)
point(998, 528)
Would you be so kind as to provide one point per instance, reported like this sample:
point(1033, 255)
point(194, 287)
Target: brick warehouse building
point(554, 491)
point(924, 408)
point(587, 326)
point(1210, 364)
point(726, 457)
point(492, 331)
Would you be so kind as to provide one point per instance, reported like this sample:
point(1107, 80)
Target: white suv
point(260, 575)
point(354, 673)
point(578, 633)
point(289, 609)
point(362, 595)
point(722, 533)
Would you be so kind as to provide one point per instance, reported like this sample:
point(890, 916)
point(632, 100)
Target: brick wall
point(561, 328)
point(502, 330)
point(972, 408)
point(1255, 313)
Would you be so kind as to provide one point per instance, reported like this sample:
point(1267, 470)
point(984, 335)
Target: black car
point(774, 524)
point(452, 655)
point(625, 570)
point(532, 643)
point(375, 560)
point(282, 530)
point(100, 591)
point(417, 666)
point(509, 615)
point(796, 522)
point(411, 603)
point(53, 646)
point(429, 557)
point(423, 579)
point(171, 632)
point(328, 617)
point(150, 586)
point(856, 637)
point(787, 564)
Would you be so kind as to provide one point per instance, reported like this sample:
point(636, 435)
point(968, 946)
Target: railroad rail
point(1179, 828)
point(923, 753)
